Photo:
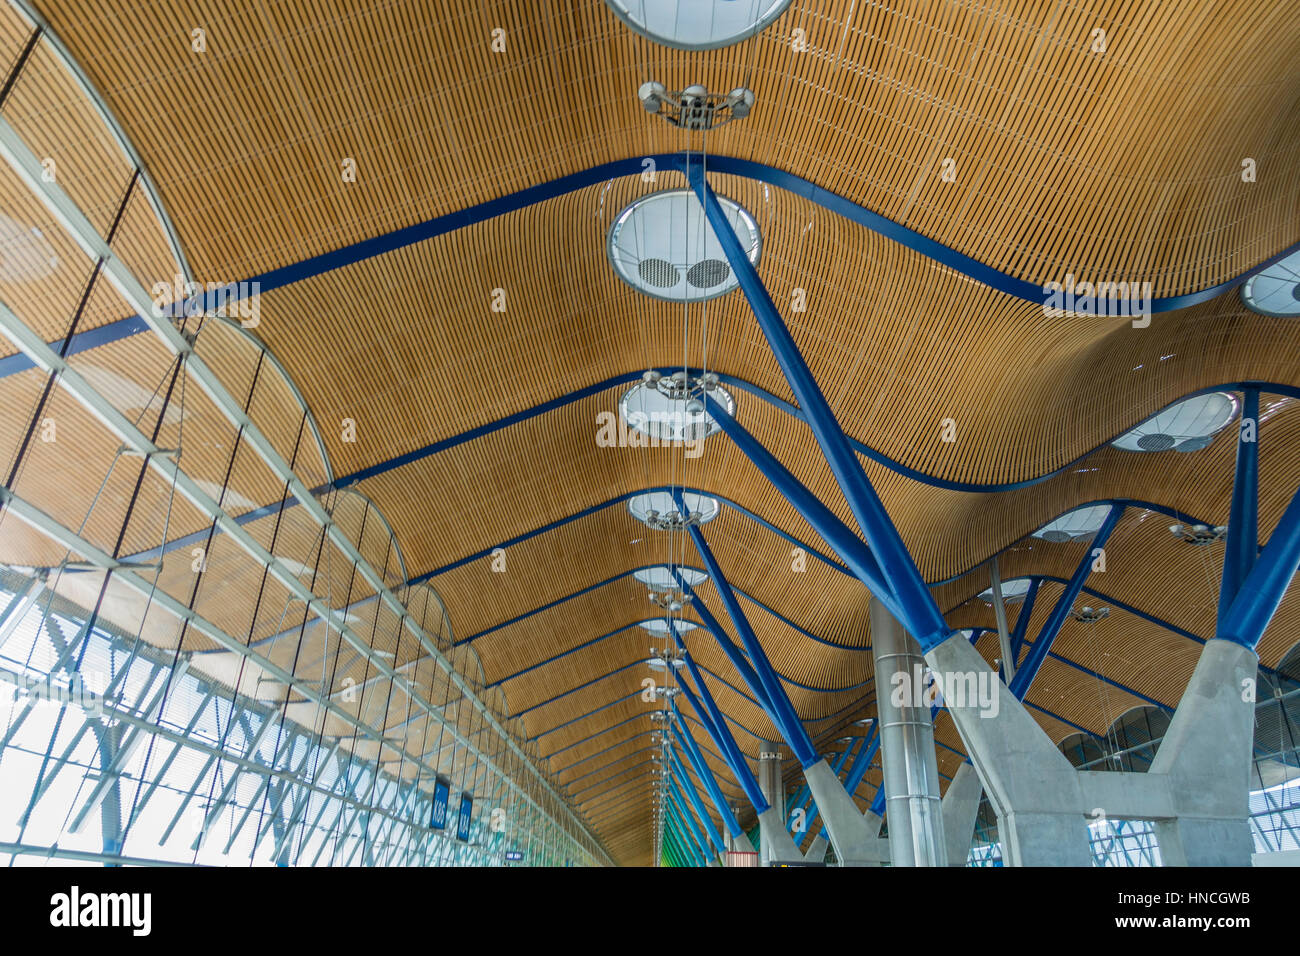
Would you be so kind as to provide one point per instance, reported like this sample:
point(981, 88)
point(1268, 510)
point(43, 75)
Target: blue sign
point(514, 856)
point(441, 794)
point(462, 824)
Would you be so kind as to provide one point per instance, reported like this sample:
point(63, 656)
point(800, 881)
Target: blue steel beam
point(734, 654)
point(921, 613)
point(688, 833)
point(701, 837)
point(1027, 671)
point(862, 762)
point(715, 725)
point(704, 772)
point(1243, 518)
point(1265, 586)
point(843, 541)
point(630, 166)
point(687, 787)
point(785, 718)
point(1022, 619)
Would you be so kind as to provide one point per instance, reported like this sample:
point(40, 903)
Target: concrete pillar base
point(961, 805)
point(1044, 839)
point(817, 850)
point(1188, 841)
point(775, 844)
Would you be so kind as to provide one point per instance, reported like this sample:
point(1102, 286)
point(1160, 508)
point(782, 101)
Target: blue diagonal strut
point(836, 533)
point(706, 709)
point(921, 614)
point(704, 772)
point(785, 718)
point(1265, 586)
point(1060, 611)
point(1243, 520)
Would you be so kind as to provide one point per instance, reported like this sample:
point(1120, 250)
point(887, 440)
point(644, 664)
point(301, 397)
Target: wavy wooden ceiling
point(1122, 165)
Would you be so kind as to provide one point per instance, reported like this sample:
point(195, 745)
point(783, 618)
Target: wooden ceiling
point(1120, 165)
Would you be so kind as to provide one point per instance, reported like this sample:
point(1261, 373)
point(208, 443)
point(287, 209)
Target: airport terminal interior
point(649, 433)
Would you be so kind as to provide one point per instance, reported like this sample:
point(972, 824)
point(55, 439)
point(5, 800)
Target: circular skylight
point(666, 411)
point(659, 626)
point(662, 578)
point(697, 24)
point(663, 246)
point(1188, 425)
point(1011, 591)
point(1079, 523)
point(659, 509)
point(1275, 290)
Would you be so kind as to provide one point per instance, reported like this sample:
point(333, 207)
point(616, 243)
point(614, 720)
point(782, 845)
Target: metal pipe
point(911, 773)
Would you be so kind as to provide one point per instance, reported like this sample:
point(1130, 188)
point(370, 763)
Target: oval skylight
point(1079, 523)
point(659, 626)
point(662, 411)
point(658, 507)
point(663, 246)
point(697, 24)
point(1189, 425)
point(662, 578)
point(1013, 590)
point(1275, 290)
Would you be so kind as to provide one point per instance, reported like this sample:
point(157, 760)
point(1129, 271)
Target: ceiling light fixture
point(658, 509)
point(1198, 534)
point(670, 408)
point(1090, 615)
point(695, 108)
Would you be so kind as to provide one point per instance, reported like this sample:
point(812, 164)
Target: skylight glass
point(1189, 425)
point(697, 24)
point(662, 245)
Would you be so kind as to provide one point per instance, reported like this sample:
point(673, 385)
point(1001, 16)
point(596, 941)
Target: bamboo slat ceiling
point(1120, 165)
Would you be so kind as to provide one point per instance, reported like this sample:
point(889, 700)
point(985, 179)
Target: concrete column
point(1207, 753)
point(1033, 788)
point(907, 747)
point(775, 842)
point(817, 849)
point(852, 835)
point(961, 805)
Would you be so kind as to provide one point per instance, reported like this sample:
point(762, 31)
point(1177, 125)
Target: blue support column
point(703, 771)
point(688, 788)
point(1265, 586)
point(921, 614)
point(862, 762)
point(716, 725)
point(689, 836)
point(1038, 653)
point(698, 819)
point(842, 539)
point(734, 654)
point(1022, 619)
point(1243, 521)
point(785, 718)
